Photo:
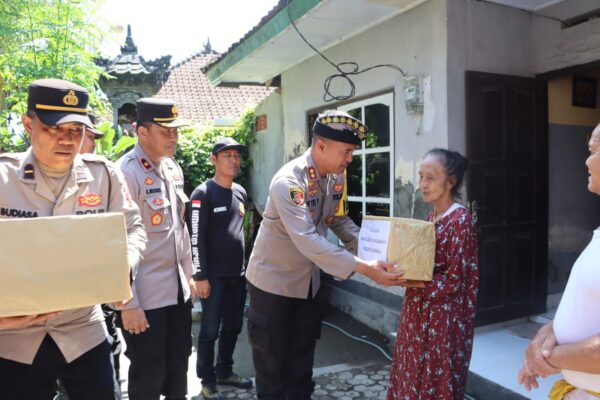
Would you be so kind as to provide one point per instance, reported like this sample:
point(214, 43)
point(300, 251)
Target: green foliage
point(47, 39)
point(193, 152)
point(10, 143)
point(106, 147)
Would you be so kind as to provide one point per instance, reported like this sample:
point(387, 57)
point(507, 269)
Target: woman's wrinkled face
point(593, 162)
point(434, 182)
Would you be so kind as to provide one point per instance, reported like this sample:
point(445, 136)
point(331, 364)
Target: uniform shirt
point(217, 230)
point(577, 317)
point(24, 193)
point(166, 262)
point(291, 245)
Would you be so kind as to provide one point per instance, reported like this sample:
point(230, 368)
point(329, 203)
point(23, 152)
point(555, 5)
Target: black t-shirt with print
point(217, 216)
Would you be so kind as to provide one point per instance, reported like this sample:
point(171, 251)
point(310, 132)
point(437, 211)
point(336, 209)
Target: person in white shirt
point(571, 343)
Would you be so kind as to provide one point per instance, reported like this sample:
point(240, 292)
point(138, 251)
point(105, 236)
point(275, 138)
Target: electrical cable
point(351, 66)
point(365, 341)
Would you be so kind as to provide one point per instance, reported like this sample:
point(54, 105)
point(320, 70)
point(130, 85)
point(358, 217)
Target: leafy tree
point(194, 147)
point(10, 143)
point(47, 39)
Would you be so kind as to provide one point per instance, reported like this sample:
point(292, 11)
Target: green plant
point(193, 150)
point(48, 39)
point(105, 146)
point(11, 143)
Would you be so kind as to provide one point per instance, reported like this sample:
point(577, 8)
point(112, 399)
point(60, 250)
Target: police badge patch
point(297, 195)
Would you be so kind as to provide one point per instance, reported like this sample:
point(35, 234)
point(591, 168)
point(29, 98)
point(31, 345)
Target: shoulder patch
point(297, 195)
point(147, 166)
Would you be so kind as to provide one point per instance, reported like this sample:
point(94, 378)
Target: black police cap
point(97, 134)
point(159, 111)
point(340, 126)
point(227, 143)
point(57, 102)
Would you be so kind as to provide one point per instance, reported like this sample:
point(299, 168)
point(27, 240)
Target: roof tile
point(201, 102)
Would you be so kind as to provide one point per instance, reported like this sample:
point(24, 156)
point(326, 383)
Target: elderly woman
point(571, 343)
point(435, 334)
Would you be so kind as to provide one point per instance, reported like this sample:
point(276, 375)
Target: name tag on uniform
point(220, 209)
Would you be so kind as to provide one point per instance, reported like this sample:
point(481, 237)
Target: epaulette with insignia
point(29, 172)
point(147, 166)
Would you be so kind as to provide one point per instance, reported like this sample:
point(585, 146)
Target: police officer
point(157, 323)
point(51, 178)
point(284, 318)
point(88, 146)
point(91, 135)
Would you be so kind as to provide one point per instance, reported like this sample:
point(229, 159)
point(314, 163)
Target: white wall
point(267, 153)
point(415, 41)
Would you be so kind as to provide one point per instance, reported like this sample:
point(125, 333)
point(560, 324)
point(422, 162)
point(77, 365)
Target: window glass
point(355, 211)
point(378, 175)
point(379, 209)
point(377, 119)
point(354, 176)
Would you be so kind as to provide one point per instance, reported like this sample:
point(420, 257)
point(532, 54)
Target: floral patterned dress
point(435, 333)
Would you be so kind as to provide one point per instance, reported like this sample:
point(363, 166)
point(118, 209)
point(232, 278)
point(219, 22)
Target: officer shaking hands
point(49, 179)
point(284, 318)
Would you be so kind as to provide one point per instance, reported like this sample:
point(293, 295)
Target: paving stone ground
point(365, 383)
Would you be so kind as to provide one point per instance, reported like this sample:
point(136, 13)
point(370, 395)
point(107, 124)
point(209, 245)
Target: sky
point(181, 27)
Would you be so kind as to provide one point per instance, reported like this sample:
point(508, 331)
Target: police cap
point(340, 126)
point(97, 134)
point(162, 112)
point(57, 102)
point(227, 143)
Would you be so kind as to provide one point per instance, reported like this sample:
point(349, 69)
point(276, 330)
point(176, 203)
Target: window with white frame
point(371, 174)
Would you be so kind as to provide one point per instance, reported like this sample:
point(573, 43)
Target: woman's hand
point(539, 350)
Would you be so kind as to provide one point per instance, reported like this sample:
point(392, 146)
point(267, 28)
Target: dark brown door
point(507, 144)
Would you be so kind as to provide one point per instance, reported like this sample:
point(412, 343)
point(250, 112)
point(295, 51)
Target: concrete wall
point(573, 212)
point(556, 48)
point(415, 41)
point(492, 38)
point(560, 108)
point(483, 37)
point(267, 153)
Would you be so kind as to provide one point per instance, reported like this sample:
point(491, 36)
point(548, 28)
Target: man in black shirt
point(218, 207)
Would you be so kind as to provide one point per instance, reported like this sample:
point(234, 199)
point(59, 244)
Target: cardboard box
point(409, 243)
point(64, 262)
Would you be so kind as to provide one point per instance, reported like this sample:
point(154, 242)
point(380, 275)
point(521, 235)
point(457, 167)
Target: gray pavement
point(366, 383)
point(344, 368)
